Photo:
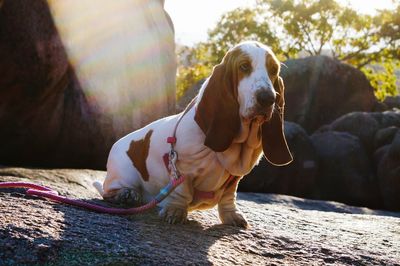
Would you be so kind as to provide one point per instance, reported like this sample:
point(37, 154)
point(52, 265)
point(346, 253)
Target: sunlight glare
point(116, 50)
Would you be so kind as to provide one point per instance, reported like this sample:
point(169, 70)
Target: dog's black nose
point(265, 98)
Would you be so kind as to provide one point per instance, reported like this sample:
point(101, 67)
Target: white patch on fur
point(99, 187)
point(258, 78)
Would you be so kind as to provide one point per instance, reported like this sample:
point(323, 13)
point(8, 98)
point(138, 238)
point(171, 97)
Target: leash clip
point(173, 157)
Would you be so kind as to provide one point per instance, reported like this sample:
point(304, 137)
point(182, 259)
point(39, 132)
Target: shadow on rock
point(39, 231)
point(93, 238)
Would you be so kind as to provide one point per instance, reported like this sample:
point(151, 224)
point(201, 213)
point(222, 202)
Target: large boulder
point(297, 178)
point(360, 124)
point(320, 89)
point(387, 118)
point(367, 126)
point(392, 102)
point(285, 231)
point(389, 174)
point(356, 147)
point(75, 77)
point(385, 136)
point(345, 170)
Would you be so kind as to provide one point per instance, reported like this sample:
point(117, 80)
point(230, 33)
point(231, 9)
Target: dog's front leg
point(227, 210)
point(174, 208)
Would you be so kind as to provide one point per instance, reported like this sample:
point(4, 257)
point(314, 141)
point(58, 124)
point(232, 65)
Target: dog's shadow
point(92, 237)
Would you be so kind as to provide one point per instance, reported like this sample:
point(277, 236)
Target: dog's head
point(245, 86)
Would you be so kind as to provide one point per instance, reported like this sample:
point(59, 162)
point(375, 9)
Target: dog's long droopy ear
point(275, 147)
point(217, 113)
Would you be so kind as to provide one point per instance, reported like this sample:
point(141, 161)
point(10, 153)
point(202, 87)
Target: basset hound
point(236, 117)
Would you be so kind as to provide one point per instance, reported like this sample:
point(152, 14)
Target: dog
point(236, 117)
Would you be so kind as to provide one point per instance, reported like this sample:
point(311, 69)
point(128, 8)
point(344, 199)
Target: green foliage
point(194, 66)
point(383, 78)
point(310, 25)
point(294, 28)
point(188, 76)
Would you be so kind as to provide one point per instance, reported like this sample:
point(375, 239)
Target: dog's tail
point(99, 187)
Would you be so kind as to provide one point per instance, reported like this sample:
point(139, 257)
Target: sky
point(193, 18)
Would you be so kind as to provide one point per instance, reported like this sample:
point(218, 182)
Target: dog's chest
point(203, 168)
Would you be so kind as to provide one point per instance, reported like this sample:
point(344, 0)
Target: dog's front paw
point(125, 196)
point(233, 218)
point(174, 214)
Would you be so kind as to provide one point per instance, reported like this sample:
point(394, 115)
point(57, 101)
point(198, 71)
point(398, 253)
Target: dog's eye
point(245, 67)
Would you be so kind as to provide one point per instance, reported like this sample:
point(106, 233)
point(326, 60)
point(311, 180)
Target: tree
point(314, 27)
point(360, 40)
point(240, 24)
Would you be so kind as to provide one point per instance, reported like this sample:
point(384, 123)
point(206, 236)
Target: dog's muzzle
point(265, 98)
point(264, 107)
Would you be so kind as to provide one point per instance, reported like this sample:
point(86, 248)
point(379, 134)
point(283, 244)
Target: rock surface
point(285, 230)
point(366, 126)
point(359, 124)
point(68, 90)
point(392, 102)
point(389, 175)
point(368, 167)
point(345, 172)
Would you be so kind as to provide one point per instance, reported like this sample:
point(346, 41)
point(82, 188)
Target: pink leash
point(45, 192)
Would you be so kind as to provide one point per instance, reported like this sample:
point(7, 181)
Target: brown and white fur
point(238, 116)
